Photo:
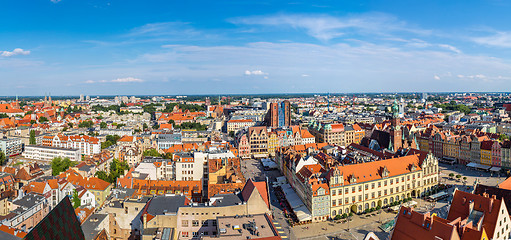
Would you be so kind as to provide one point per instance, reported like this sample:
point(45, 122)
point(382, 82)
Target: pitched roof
point(126, 139)
point(60, 223)
point(261, 188)
point(500, 193)
point(414, 225)
point(506, 184)
point(369, 171)
point(464, 203)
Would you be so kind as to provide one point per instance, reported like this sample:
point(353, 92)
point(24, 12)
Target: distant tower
point(50, 103)
point(395, 129)
point(16, 104)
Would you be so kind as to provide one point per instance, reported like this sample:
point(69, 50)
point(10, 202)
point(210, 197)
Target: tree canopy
point(116, 170)
point(110, 140)
point(190, 125)
point(43, 119)
point(32, 140)
point(192, 107)
point(452, 106)
point(76, 200)
point(2, 158)
point(86, 124)
point(59, 165)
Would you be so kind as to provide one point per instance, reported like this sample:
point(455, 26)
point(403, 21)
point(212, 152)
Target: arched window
point(334, 213)
point(391, 199)
point(367, 205)
point(385, 202)
point(373, 204)
point(340, 211)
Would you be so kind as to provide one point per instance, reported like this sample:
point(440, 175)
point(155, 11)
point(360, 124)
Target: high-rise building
point(279, 114)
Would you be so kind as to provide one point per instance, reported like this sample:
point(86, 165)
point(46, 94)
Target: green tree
point(503, 137)
point(2, 157)
point(43, 119)
point(102, 175)
point(144, 126)
point(86, 124)
point(117, 169)
point(32, 140)
point(110, 140)
point(151, 153)
point(190, 125)
point(3, 115)
point(167, 155)
point(76, 200)
point(59, 165)
point(231, 134)
point(103, 125)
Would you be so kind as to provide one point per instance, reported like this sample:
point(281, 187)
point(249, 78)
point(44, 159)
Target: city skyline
point(201, 48)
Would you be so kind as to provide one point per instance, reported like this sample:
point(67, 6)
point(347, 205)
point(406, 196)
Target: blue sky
point(100, 47)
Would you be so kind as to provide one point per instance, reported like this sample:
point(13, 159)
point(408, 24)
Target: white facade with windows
point(48, 153)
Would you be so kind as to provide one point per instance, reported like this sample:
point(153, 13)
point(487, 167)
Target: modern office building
point(40, 152)
point(11, 146)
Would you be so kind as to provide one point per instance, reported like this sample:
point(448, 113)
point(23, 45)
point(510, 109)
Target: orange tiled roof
point(464, 202)
point(370, 171)
point(126, 139)
point(12, 231)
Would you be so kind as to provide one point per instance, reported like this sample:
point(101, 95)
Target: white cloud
point(325, 27)
point(127, 79)
point(436, 77)
point(449, 47)
point(305, 75)
point(334, 65)
point(499, 39)
point(55, 1)
point(16, 51)
point(477, 76)
point(255, 72)
point(117, 80)
point(160, 29)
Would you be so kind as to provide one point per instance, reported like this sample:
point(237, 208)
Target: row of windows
point(195, 223)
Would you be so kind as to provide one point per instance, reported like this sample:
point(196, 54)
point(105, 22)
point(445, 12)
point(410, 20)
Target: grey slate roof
point(6, 236)
point(29, 200)
point(90, 226)
point(226, 200)
point(161, 205)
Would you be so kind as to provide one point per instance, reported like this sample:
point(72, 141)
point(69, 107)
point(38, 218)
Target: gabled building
point(481, 213)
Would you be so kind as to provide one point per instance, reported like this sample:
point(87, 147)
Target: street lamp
point(349, 217)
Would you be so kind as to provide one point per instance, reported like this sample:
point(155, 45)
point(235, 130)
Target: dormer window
point(385, 172)
point(353, 179)
point(413, 167)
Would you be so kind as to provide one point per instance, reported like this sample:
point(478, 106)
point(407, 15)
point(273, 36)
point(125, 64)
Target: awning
point(495, 169)
point(291, 196)
point(282, 179)
point(472, 164)
point(477, 165)
point(303, 214)
point(301, 211)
